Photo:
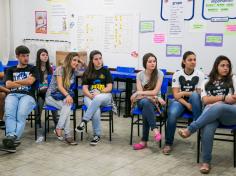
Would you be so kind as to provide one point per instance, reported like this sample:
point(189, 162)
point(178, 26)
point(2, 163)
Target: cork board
point(61, 55)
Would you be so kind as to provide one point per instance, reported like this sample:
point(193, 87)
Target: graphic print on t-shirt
point(188, 85)
point(217, 88)
point(97, 85)
point(21, 76)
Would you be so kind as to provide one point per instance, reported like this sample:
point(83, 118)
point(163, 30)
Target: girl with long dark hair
point(45, 71)
point(97, 85)
point(148, 83)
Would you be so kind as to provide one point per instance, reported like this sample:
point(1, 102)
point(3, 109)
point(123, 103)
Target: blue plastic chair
point(160, 116)
point(232, 134)
point(104, 109)
point(11, 63)
point(48, 108)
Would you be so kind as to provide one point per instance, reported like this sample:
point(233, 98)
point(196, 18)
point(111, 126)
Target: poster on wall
point(41, 22)
point(173, 50)
point(214, 39)
point(58, 17)
point(146, 26)
point(218, 10)
point(176, 20)
point(166, 5)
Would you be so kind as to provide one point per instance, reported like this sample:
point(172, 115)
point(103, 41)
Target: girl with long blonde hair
point(60, 94)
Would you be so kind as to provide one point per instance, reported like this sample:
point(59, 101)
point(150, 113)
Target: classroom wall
point(24, 27)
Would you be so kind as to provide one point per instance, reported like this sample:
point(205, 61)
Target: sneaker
point(39, 140)
point(9, 141)
point(8, 149)
point(17, 142)
point(2, 124)
point(81, 127)
point(70, 141)
point(95, 140)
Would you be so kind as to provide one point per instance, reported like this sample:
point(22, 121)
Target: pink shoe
point(139, 146)
point(157, 137)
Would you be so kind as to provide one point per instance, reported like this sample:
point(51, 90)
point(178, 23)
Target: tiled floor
point(116, 158)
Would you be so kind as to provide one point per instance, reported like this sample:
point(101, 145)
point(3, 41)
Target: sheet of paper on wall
point(58, 17)
point(230, 28)
point(176, 19)
point(214, 39)
point(173, 50)
point(197, 26)
point(146, 26)
point(159, 38)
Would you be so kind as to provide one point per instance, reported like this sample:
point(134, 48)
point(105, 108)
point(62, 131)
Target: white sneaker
point(39, 140)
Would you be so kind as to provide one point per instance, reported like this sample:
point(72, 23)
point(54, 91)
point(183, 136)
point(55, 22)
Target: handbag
point(59, 96)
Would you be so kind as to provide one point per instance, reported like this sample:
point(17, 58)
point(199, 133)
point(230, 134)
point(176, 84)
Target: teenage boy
point(21, 80)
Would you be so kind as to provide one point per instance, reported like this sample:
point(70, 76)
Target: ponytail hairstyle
point(153, 79)
point(90, 71)
point(213, 76)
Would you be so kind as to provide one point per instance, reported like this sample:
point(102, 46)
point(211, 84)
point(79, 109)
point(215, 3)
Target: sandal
point(139, 146)
point(167, 150)
point(58, 136)
point(205, 168)
point(157, 137)
point(70, 141)
point(184, 133)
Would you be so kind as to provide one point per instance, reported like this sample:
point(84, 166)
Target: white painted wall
point(23, 27)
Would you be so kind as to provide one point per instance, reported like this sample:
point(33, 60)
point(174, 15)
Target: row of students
point(217, 94)
point(189, 89)
point(23, 80)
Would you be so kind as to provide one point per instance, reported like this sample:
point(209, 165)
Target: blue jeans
point(209, 121)
point(17, 108)
point(148, 115)
point(176, 109)
point(65, 111)
point(93, 112)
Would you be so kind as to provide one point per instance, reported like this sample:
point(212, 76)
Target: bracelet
point(67, 95)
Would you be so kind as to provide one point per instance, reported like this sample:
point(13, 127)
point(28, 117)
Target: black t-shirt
point(103, 77)
point(14, 74)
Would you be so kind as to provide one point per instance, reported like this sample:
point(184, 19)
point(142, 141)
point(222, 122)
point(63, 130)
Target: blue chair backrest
point(12, 63)
point(164, 86)
point(49, 79)
point(105, 66)
point(164, 71)
point(125, 69)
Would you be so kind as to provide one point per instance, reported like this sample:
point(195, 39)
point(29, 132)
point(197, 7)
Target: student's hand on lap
point(69, 100)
